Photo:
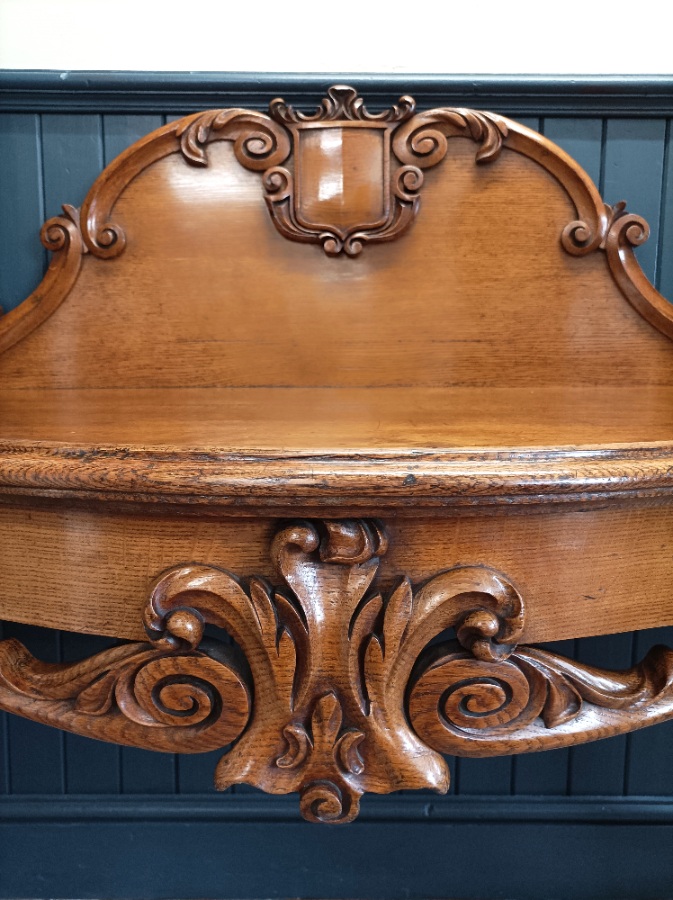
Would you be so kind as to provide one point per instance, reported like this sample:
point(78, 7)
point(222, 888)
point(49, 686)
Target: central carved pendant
point(331, 665)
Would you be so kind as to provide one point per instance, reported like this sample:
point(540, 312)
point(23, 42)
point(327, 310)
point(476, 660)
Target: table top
point(345, 444)
point(315, 420)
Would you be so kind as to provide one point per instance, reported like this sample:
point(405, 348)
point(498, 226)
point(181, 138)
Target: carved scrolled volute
point(534, 700)
point(341, 691)
point(339, 176)
point(145, 695)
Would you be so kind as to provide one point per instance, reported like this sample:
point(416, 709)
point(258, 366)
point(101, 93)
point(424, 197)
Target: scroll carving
point(186, 700)
point(626, 231)
point(333, 690)
point(62, 236)
point(533, 700)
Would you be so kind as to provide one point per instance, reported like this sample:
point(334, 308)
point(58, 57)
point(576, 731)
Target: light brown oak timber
point(134, 694)
point(533, 700)
point(334, 382)
point(580, 568)
point(383, 318)
point(319, 420)
point(385, 447)
point(331, 663)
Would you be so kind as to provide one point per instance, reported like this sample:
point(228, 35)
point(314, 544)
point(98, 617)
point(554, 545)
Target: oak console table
point(385, 408)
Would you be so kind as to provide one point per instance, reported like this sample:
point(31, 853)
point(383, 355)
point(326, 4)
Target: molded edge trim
point(356, 480)
point(169, 92)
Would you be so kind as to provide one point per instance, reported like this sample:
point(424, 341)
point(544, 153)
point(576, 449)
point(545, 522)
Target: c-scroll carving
point(333, 690)
point(626, 231)
point(338, 146)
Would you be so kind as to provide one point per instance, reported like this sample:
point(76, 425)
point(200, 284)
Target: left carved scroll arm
point(134, 694)
point(61, 235)
point(179, 692)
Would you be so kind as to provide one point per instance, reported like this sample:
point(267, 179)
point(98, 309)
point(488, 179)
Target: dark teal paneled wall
point(50, 152)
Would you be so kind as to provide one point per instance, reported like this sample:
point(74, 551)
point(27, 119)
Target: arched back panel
point(232, 248)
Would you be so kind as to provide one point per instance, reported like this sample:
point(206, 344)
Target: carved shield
point(339, 189)
point(342, 179)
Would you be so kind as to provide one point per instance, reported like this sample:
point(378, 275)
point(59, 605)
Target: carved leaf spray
point(338, 693)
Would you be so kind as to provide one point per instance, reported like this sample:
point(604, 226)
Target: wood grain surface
point(258, 328)
point(178, 309)
point(317, 420)
point(579, 569)
point(350, 692)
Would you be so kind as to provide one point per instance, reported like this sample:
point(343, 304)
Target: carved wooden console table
point(378, 415)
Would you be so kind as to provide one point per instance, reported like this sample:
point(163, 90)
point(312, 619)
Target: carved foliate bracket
point(333, 691)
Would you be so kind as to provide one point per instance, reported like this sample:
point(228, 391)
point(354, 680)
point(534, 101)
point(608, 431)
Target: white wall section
point(486, 37)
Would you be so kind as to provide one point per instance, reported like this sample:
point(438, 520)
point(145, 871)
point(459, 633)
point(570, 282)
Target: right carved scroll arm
point(533, 700)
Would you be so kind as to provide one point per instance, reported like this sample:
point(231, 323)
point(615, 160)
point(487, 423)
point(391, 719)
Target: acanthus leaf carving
point(342, 689)
point(134, 694)
point(423, 141)
point(330, 720)
point(259, 143)
point(342, 102)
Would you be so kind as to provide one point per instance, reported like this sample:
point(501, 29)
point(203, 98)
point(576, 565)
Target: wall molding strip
point(169, 92)
point(184, 810)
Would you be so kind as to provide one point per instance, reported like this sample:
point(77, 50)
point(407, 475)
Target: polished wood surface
point(174, 310)
point(314, 420)
point(330, 666)
point(263, 331)
point(580, 565)
point(405, 447)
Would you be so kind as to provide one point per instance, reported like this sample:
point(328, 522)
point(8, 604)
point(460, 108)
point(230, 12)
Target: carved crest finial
point(342, 102)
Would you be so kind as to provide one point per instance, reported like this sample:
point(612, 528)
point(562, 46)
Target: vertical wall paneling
point(195, 772)
point(543, 773)
point(147, 772)
point(21, 206)
point(5, 781)
point(90, 767)
point(598, 768)
point(581, 138)
point(119, 132)
point(649, 765)
point(73, 157)
point(36, 758)
point(634, 170)
point(665, 255)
